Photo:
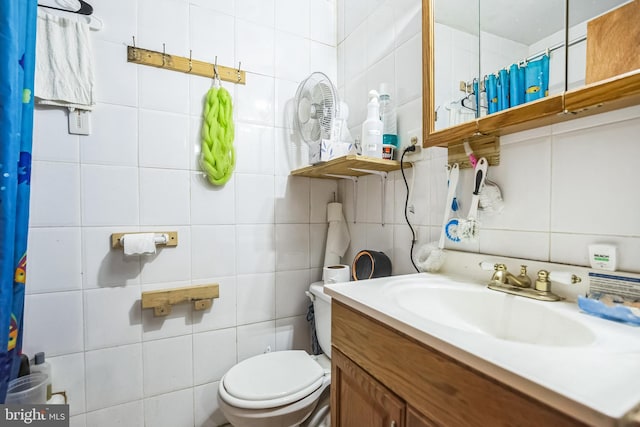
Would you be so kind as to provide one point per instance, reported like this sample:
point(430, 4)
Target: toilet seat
point(271, 380)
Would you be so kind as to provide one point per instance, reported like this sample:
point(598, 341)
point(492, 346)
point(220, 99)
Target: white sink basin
point(547, 349)
point(483, 311)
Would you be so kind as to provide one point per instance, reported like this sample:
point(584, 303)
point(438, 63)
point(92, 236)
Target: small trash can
point(28, 389)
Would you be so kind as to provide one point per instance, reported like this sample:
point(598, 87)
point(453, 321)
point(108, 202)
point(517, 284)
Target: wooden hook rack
point(161, 301)
point(487, 146)
point(167, 61)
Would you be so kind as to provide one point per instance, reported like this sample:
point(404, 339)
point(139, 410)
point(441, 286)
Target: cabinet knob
point(393, 423)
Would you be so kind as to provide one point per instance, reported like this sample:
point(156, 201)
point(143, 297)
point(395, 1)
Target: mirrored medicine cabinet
point(492, 67)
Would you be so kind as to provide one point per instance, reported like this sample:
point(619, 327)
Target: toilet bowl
point(282, 388)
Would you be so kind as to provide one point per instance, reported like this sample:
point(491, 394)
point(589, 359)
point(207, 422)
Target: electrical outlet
point(79, 122)
point(412, 137)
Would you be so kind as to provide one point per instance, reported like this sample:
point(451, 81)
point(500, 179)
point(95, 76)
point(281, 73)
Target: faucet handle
point(564, 277)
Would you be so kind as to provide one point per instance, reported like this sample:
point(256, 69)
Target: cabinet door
point(416, 419)
point(358, 400)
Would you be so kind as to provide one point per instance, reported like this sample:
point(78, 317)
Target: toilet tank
point(322, 311)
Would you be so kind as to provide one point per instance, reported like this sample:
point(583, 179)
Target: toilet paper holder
point(163, 238)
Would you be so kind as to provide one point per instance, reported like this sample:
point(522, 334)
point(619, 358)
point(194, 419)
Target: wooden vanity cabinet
point(360, 400)
point(381, 377)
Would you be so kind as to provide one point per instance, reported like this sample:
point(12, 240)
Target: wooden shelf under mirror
point(347, 165)
point(606, 95)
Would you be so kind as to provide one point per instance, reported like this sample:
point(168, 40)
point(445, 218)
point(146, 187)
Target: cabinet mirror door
point(604, 40)
point(455, 46)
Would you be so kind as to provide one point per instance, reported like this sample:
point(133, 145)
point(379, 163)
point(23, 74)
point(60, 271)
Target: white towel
point(64, 63)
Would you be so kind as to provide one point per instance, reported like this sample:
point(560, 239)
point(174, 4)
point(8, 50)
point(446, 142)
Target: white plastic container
point(388, 117)
point(29, 389)
point(372, 128)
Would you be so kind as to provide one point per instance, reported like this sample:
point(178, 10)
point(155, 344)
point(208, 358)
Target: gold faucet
point(502, 280)
point(504, 277)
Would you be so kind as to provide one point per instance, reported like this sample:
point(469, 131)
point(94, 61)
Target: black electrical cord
point(406, 203)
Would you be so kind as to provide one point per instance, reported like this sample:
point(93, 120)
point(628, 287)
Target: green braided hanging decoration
point(217, 156)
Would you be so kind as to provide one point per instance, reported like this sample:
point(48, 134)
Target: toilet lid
point(273, 379)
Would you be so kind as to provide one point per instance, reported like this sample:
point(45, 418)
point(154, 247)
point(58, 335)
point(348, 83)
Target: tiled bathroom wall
point(565, 186)
point(261, 236)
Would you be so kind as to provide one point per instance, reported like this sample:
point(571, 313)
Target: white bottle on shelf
point(388, 116)
point(372, 128)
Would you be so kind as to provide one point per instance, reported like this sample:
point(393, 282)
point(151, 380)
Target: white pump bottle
point(372, 128)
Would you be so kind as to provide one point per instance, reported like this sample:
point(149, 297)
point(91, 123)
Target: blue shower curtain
point(17, 64)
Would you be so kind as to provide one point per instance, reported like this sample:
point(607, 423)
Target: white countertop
point(597, 382)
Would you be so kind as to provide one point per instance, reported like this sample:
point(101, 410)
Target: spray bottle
point(372, 128)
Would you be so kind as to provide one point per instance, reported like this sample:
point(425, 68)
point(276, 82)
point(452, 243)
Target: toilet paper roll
point(56, 399)
point(334, 212)
point(337, 235)
point(336, 273)
point(139, 243)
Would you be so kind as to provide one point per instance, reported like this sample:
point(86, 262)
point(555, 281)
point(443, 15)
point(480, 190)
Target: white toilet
point(283, 388)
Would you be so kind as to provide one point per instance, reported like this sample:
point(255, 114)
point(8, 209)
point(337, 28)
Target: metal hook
point(215, 68)
point(190, 62)
point(134, 51)
point(163, 54)
point(238, 76)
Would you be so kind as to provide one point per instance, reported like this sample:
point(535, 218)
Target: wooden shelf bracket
point(161, 301)
point(353, 179)
point(383, 186)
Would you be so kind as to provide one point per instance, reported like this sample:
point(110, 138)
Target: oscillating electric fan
point(319, 114)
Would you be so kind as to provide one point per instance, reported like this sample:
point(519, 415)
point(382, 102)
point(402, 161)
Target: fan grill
point(316, 104)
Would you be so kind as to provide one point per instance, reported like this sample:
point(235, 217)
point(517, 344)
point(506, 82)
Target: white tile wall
point(167, 365)
point(164, 140)
point(114, 140)
point(171, 409)
point(207, 411)
point(214, 353)
point(51, 141)
point(64, 373)
point(127, 415)
point(256, 298)
point(55, 260)
point(164, 196)
point(119, 307)
point(53, 204)
point(139, 171)
point(109, 195)
point(291, 56)
point(113, 376)
point(56, 311)
point(262, 233)
point(256, 338)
